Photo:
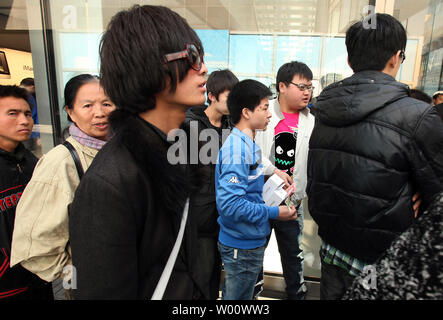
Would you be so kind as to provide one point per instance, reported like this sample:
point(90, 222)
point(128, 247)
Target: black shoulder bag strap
point(254, 166)
point(74, 155)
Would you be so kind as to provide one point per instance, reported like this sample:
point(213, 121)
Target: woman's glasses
point(191, 53)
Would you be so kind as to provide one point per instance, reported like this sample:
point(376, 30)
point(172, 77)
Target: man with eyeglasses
point(373, 148)
point(285, 152)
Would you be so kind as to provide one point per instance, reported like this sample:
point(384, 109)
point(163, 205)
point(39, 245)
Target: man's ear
point(212, 97)
point(282, 86)
point(394, 59)
point(246, 113)
point(393, 65)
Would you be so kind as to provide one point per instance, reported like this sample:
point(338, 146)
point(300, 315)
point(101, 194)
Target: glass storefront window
point(253, 38)
point(432, 54)
point(21, 40)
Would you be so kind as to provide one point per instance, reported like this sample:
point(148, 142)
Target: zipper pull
point(19, 168)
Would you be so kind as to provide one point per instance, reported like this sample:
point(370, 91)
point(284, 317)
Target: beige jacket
point(40, 240)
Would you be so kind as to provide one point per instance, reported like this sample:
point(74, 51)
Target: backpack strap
point(166, 274)
point(254, 166)
point(76, 158)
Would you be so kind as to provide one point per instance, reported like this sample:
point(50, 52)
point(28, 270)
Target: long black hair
point(132, 54)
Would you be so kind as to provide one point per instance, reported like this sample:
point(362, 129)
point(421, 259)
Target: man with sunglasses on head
point(285, 152)
point(372, 149)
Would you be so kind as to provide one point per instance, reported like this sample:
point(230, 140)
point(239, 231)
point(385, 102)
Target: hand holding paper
point(286, 213)
point(287, 179)
point(274, 192)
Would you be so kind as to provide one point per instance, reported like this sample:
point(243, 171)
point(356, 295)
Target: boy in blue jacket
point(244, 218)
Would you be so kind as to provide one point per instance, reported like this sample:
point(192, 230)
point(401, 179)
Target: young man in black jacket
point(213, 120)
point(128, 208)
point(16, 167)
point(372, 148)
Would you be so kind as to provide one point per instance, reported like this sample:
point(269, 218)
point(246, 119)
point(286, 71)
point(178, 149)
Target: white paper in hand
point(273, 192)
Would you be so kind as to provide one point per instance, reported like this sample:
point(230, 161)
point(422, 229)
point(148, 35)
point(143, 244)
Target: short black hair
point(420, 95)
point(287, 72)
point(27, 82)
point(371, 49)
point(219, 81)
point(246, 94)
point(14, 91)
point(72, 87)
point(132, 51)
point(437, 94)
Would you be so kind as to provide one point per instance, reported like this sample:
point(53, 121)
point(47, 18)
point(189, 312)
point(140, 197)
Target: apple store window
point(252, 38)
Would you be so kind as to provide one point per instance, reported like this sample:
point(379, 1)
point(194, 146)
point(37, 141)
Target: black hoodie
point(372, 148)
point(15, 172)
point(203, 204)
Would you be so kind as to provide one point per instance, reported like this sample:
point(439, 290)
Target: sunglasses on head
point(191, 53)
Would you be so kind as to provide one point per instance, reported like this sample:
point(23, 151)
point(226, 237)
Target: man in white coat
point(285, 146)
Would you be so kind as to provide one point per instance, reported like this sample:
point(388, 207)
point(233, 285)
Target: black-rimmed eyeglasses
point(303, 86)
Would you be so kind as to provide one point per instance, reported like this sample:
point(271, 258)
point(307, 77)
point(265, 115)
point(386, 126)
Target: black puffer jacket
point(372, 148)
point(439, 109)
point(412, 268)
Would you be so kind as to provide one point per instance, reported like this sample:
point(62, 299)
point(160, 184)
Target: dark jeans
point(242, 267)
point(334, 282)
point(289, 235)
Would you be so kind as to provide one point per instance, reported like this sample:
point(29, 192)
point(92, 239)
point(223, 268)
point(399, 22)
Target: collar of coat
point(277, 110)
point(171, 184)
point(17, 156)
